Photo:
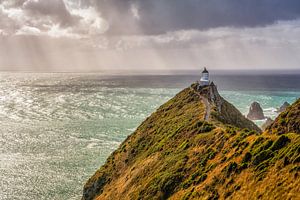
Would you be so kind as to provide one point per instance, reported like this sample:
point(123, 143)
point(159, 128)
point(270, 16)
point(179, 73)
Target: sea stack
point(255, 112)
point(283, 107)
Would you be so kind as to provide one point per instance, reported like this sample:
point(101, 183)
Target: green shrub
point(223, 159)
point(280, 143)
point(228, 194)
point(295, 169)
point(296, 160)
point(206, 127)
point(237, 187)
point(202, 178)
point(262, 166)
point(198, 124)
point(169, 182)
point(247, 158)
point(257, 141)
point(266, 145)
point(229, 169)
point(243, 166)
point(231, 130)
point(262, 156)
point(211, 154)
point(203, 162)
point(184, 145)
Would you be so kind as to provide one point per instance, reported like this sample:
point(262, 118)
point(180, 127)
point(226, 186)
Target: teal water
point(270, 101)
point(58, 129)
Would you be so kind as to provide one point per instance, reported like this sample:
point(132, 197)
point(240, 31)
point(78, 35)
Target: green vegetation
point(175, 154)
point(288, 121)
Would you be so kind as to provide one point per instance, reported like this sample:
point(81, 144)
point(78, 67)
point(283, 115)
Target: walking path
point(206, 103)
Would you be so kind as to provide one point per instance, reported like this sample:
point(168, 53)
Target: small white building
point(204, 78)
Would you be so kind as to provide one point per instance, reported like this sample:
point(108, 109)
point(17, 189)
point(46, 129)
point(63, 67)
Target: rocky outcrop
point(177, 154)
point(255, 112)
point(282, 108)
point(223, 112)
point(267, 123)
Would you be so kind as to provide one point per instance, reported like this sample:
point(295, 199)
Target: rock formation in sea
point(199, 146)
point(283, 107)
point(255, 112)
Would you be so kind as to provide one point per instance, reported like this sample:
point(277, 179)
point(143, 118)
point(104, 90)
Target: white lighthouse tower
point(204, 81)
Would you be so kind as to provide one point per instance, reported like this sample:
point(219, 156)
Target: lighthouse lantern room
point(204, 81)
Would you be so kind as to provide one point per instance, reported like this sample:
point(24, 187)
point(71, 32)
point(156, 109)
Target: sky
point(101, 35)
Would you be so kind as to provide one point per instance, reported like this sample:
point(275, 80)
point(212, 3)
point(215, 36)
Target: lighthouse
point(204, 81)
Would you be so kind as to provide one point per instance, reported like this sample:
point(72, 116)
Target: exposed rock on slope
point(223, 112)
point(176, 154)
point(255, 112)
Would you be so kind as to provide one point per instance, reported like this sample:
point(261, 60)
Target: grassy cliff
point(177, 154)
point(287, 121)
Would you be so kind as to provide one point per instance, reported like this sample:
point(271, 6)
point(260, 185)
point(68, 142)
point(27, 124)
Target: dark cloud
point(160, 16)
point(76, 35)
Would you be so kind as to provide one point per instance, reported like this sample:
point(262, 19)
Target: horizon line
point(161, 71)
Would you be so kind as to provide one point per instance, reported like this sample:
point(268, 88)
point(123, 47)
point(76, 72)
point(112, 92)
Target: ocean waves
point(57, 129)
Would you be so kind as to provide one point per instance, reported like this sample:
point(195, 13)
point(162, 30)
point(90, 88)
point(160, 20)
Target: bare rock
point(255, 112)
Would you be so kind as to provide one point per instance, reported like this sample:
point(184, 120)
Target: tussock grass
point(174, 154)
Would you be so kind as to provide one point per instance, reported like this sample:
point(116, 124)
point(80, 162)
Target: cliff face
point(223, 112)
point(198, 146)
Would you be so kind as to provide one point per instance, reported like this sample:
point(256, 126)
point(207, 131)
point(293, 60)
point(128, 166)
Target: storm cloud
point(158, 16)
point(84, 35)
point(161, 16)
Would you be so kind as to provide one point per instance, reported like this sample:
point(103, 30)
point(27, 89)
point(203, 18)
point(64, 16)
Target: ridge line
point(206, 103)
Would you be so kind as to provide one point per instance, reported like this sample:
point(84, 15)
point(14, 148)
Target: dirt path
point(208, 108)
point(206, 103)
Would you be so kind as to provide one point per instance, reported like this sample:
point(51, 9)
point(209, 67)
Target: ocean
point(57, 129)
